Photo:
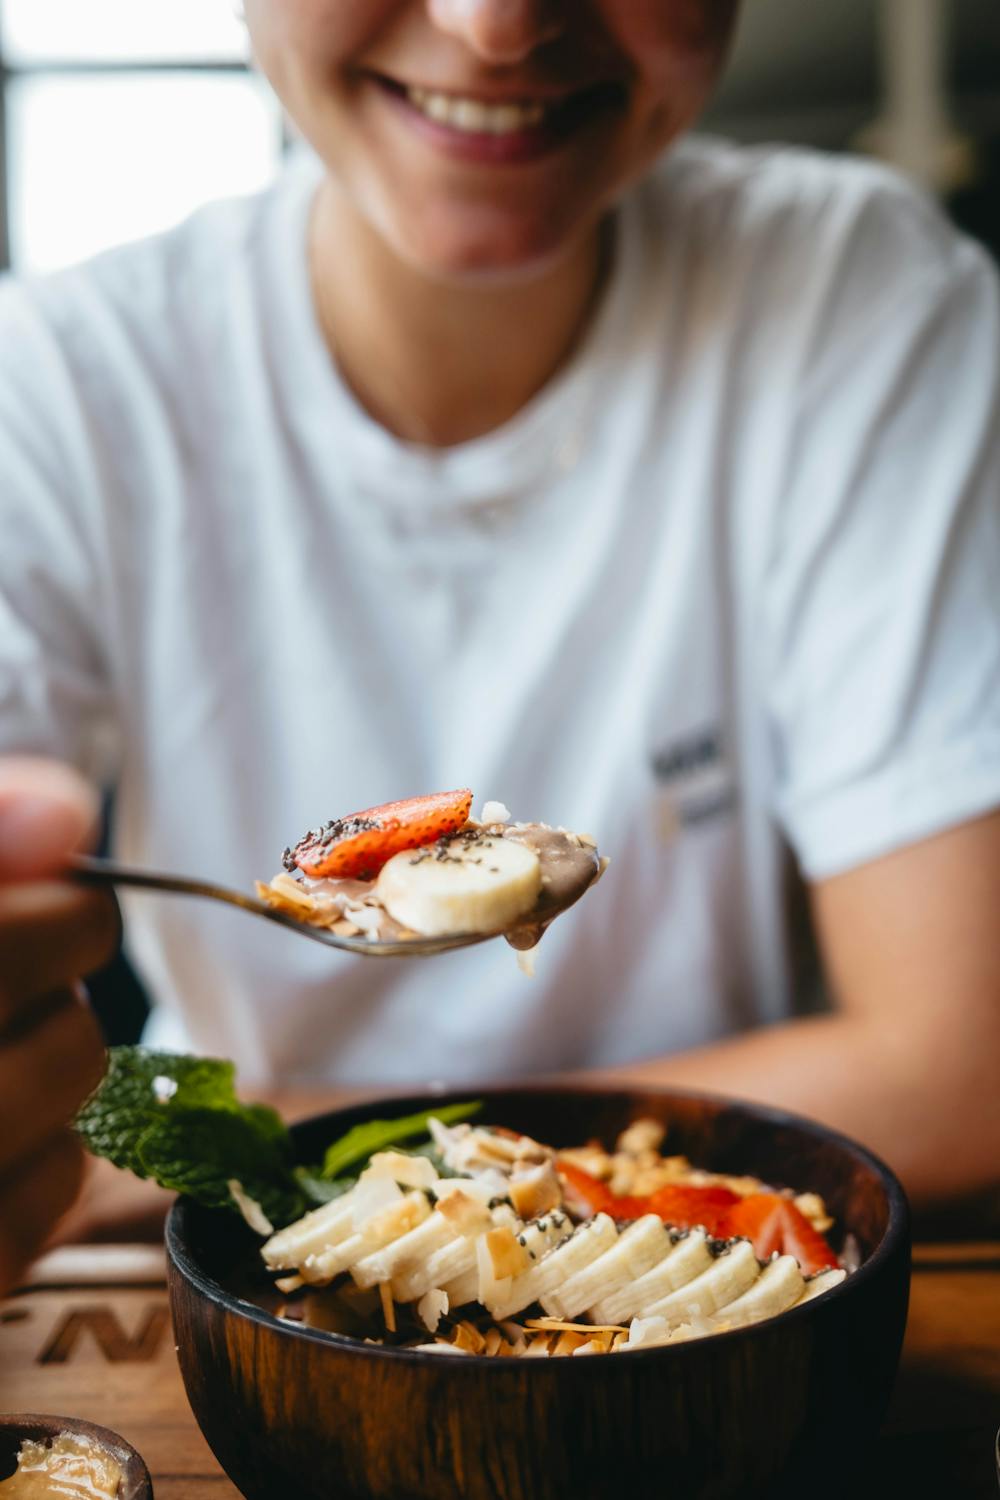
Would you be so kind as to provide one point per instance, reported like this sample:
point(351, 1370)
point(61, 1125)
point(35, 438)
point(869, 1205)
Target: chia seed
point(327, 834)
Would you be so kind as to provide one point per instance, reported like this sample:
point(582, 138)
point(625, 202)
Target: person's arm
point(874, 659)
point(909, 1062)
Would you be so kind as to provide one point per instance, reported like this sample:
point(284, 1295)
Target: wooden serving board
point(98, 1344)
point(90, 1337)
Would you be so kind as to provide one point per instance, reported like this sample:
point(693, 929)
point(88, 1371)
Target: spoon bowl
point(88, 869)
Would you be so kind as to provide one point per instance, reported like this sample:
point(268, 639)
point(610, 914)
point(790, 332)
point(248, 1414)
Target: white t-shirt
point(728, 586)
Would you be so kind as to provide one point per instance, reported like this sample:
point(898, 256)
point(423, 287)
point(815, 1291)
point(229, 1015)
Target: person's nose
point(499, 31)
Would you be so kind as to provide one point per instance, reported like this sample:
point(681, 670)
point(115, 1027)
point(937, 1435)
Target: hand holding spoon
point(406, 879)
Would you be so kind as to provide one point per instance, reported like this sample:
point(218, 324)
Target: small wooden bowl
point(782, 1408)
point(16, 1429)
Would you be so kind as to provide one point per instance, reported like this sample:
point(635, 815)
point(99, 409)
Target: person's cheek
point(675, 49)
point(297, 35)
point(667, 37)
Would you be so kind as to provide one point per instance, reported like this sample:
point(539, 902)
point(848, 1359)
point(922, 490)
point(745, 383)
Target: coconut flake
point(249, 1208)
point(535, 1190)
point(484, 1187)
point(492, 1290)
point(367, 918)
point(448, 1139)
point(411, 1171)
point(646, 1332)
point(466, 1217)
point(494, 812)
point(431, 1308)
point(526, 960)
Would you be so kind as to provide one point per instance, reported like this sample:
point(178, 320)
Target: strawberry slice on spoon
point(356, 847)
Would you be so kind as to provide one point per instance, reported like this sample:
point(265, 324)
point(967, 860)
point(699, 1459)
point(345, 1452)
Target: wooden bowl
point(783, 1407)
point(16, 1429)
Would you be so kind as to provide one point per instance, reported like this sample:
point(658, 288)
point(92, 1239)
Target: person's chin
point(486, 248)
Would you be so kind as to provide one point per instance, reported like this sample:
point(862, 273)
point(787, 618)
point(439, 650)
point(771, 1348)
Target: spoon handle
point(90, 870)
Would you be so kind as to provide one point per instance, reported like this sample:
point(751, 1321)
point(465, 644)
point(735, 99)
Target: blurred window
point(120, 117)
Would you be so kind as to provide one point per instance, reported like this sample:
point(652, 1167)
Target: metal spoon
point(89, 870)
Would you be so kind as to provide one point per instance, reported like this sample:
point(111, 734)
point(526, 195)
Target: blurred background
point(118, 117)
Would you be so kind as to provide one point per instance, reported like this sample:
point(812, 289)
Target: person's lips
point(503, 127)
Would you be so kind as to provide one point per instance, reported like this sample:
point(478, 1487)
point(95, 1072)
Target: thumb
point(47, 811)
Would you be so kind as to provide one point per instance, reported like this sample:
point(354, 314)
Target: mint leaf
point(177, 1119)
point(363, 1140)
point(197, 1152)
point(268, 1124)
point(139, 1088)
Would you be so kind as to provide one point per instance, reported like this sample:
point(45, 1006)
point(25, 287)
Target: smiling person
point(518, 439)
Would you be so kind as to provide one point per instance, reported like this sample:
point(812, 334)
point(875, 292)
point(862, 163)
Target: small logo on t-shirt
point(695, 781)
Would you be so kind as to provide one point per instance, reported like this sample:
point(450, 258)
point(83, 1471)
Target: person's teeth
point(437, 107)
point(468, 115)
point(473, 115)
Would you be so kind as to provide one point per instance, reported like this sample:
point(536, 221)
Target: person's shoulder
point(148, 292)
point(789, 212)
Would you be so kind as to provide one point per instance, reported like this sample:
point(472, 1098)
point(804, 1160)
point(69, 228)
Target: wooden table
point(91, 1338)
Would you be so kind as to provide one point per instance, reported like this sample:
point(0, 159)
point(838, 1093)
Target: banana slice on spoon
point(462, 884)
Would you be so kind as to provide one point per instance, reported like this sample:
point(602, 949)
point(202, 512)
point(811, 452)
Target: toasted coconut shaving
point(493, 1340)
point(286, 891)
point(508, 1256)
point(534, 1192)
point(388, 1306)
point(812, 1207)
point(289, 1283)
point(568, 1343)
point(464, 1214)
point(642, 1135)
point(591, 1158)
point(556, 1325)
point(646, 1172)
point(298, 903)
point(467, 1336)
